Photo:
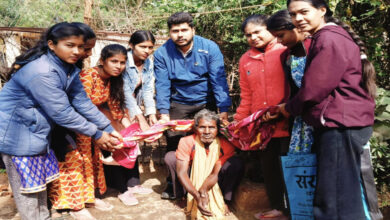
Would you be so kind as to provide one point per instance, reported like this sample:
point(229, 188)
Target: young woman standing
point(336, 98)
point(44, 89)
point(139, 91)
point(139, 79)
point(294, 62)
point(82, 173)
point(263, 84)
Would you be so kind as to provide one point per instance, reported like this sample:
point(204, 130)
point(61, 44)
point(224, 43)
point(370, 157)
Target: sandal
point(274, 213)
point(139, 190)
point(128, 198)
point(100, 205)
point(82, 214)
point(59, 214)
point(167, 195)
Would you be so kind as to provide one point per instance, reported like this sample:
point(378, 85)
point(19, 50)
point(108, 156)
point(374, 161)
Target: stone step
point(251, 197)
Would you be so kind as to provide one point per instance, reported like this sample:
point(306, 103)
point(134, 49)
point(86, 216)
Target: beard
point(206, 140)
point(186, 43)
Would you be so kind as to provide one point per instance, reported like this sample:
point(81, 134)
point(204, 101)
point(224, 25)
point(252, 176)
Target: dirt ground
point(149, 207)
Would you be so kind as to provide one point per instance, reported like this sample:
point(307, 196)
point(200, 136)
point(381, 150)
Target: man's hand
point(164, 118)
point(203, 201)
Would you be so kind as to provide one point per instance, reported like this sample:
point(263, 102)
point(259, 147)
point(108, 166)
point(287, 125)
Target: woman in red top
point(263, 84)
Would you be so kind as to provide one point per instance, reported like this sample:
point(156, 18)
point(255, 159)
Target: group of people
point(310, 65)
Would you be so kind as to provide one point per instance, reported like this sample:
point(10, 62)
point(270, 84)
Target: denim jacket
point(131, 79)
point(43, 92)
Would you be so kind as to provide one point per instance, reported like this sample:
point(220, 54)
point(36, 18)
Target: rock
point(251, 197)
point(3, 179)
point(5, 189)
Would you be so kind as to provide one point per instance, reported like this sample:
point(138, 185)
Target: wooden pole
point(88, 11)
point(88, 21)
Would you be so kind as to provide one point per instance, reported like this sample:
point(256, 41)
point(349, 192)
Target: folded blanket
point(251, 133)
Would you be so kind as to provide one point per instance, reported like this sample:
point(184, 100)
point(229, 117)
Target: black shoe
point(167, 195)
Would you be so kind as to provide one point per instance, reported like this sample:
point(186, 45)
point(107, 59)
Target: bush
point(380, 140)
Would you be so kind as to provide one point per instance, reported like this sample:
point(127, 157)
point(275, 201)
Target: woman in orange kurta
point(82, 171)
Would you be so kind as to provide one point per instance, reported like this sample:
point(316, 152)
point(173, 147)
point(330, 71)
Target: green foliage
point(382, 112)
point(39, 13)
point(371, 20)
point(380, 153)
point(9, 12)
point(380, 140)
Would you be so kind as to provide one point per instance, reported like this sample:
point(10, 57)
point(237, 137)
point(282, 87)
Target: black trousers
point(228, 178)
point(120, 178)
point(338, 191)
point(272, 171)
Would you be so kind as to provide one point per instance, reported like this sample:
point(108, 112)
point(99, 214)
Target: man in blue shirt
point(190, 76)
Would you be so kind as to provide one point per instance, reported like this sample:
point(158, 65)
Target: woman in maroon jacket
point(336, 98)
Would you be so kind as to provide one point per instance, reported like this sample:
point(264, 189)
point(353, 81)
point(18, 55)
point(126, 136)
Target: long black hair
point(368, 70)
point(117, 93)
point(88, 34)
point(281, 20)
point(141, 36)
point(55, 33)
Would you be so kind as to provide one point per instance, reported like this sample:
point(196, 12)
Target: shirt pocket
point(199, 66)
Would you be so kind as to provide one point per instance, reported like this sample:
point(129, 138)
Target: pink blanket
point(251, 133)
point(132, 135)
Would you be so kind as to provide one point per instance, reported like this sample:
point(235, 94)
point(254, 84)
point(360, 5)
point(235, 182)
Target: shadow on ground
point(150, 206)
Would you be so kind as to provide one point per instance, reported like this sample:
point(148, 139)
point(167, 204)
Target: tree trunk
point(88, 11)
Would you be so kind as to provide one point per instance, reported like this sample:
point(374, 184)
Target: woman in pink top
point(263, 84)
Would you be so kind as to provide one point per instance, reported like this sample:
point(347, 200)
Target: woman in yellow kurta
point(82, 171)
